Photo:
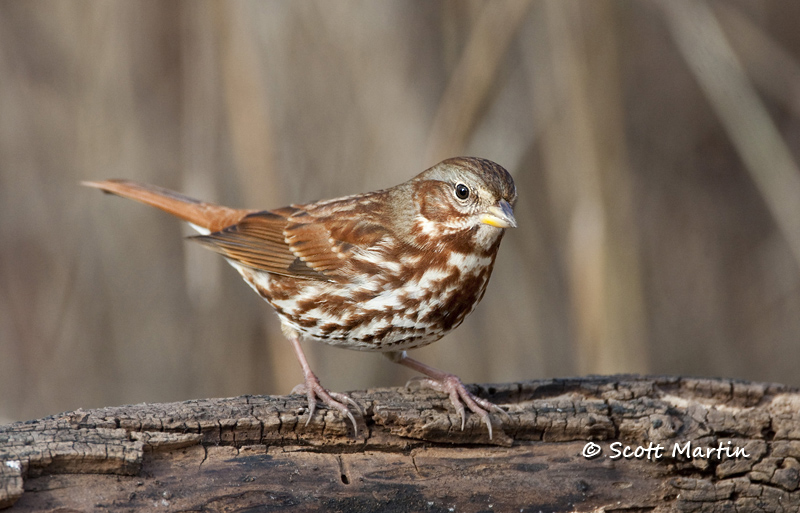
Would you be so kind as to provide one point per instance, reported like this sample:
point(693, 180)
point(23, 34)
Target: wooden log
point(410, 453)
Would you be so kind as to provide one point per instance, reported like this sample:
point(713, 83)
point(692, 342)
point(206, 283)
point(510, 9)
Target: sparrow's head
point(465, 195)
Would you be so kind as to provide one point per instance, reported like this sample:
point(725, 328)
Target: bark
point(410, 453)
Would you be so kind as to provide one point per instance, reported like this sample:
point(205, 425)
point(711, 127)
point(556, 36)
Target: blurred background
point(654, 146)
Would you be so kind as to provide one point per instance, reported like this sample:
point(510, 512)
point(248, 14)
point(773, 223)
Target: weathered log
point(410, 453)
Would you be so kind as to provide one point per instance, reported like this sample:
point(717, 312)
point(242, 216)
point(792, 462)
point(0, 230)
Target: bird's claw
point(460, 396)
point(316, 392)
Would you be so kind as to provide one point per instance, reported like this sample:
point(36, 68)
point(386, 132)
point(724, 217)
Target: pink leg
point(315, 391)
point(452, 386)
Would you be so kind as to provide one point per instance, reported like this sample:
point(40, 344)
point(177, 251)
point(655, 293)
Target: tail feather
point(204, 215)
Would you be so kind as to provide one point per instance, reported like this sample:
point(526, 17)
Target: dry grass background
point(654, 146)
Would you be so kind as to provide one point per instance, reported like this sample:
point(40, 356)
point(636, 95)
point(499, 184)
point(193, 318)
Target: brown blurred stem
point(743, 115)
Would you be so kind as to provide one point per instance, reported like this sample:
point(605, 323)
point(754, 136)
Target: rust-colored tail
point(205, 215)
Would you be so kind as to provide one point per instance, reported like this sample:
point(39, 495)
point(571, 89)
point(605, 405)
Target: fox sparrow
point(384, 271)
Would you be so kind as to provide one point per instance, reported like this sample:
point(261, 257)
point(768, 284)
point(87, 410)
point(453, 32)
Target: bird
point(387, 271)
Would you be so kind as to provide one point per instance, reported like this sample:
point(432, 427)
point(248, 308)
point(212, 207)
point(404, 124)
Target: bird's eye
point(462, 191)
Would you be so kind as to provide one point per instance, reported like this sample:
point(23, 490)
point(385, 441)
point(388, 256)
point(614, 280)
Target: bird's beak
point(500, 215)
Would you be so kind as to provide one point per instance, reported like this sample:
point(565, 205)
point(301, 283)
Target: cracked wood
point(256, 451)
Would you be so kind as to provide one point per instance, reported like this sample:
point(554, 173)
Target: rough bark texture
point(256, 452)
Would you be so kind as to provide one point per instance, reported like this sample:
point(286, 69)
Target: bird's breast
point(391, 304)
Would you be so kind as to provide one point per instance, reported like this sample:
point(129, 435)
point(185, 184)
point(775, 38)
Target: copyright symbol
point(591, 450)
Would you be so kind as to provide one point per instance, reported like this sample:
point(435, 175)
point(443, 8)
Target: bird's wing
point(306, 241)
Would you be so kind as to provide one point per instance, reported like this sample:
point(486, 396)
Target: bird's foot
point(317, 393)
point(451, 385)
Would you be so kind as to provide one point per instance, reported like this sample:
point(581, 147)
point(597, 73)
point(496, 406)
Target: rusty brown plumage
point(383, 271)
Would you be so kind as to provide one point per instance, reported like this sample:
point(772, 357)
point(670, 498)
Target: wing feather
point(300, 241)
